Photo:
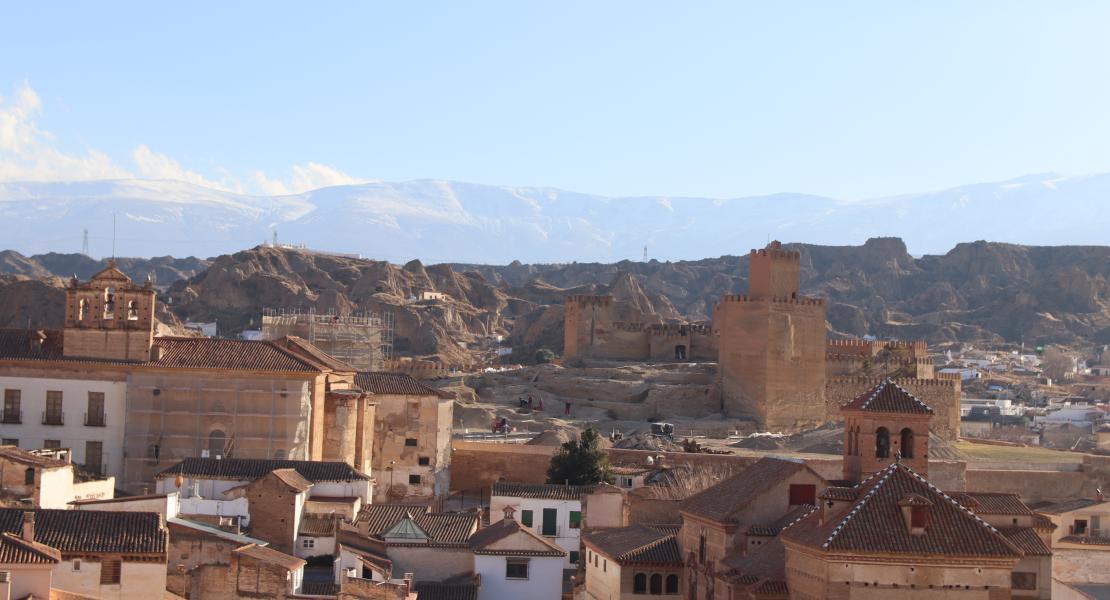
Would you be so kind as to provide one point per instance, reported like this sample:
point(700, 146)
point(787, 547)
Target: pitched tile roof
point(448, 528)
point(15, 454)
point(888, 396)
point(306, 350)
point(1069, 505)
point(546, 491)
point(249, 469)
point(1082, 539)
point(179, 352)
point(376, 518)
point(1042, 522)
point(292, 478)
point(792, 516)
point(839, 493)
point(875, 523)
point(380, 382)
point(433, 590)
point(722, 501)
point(1027, 540)
point(482, 540)
point(14, 550)
point(92, 531)
point(317, 525)
point(992, 503)
point(638, 544)
point(269, 555)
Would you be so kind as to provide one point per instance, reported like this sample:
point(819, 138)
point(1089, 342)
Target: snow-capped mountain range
point(444, 221)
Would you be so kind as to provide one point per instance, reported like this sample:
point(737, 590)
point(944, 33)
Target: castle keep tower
point(109, 317)
point(772, 346)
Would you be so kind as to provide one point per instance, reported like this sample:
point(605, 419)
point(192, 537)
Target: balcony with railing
point(96, 419)
point(12, 417)
point(50, 417)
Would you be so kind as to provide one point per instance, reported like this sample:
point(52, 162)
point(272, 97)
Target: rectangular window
point(1023, 581)
point(414, 480)
point(11, 442)
point(573, 557)
point(803, 493)
point(549, 522)
point(1096, 526)
point(308, 543)
point(52, 444)
point(95, 415)
point(516, 568)
point(423, 461)
point(414, 410)
point(12, 411)
point(575, 519)
point(410, 442)
point(918, 517)
point(53, 414)
point(1080, 527)
point(526, 518)
point(109, 571)
point(94, 457)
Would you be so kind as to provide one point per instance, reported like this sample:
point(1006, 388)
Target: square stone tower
point(109, 317)
point(772, 346)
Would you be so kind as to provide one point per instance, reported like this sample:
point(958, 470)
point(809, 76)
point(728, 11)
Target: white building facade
point(551, 511)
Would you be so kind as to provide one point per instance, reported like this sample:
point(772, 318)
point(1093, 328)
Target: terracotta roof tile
point(547, 491)
point(249, 469)
point(432, 590)
point(1069, 505)
point(1082, 539)
point(238, 355)
point(638, 544)
point(15, 454)
point(875, 523)
point(992, 503)
point(292, 478)
point(792, 516)
point(373, 519)
point(888, 397)
point(1042, 522)
point(14, 550)
point(269, 555)
point(311, 353)
point(722, 501)
point(482, 539)
point(1027, 540)
point(442, 528)
point(89, 531)
point(380, 382)
point(839, 493)
point(317, 525)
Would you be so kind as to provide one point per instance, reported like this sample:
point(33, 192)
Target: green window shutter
point(575, 519)
point(526, 518)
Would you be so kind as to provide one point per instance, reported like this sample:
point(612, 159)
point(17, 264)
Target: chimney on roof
point(508, 512)
point(29, 525)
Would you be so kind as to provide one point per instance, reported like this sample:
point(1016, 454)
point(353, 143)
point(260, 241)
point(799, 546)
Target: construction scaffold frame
point(363, 340)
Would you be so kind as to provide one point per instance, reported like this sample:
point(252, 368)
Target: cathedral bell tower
point(883, 425)
point(109, 317)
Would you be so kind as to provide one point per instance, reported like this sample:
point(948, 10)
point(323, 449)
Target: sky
point(720, 99)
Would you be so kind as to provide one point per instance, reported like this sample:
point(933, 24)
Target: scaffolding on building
point(363, 340)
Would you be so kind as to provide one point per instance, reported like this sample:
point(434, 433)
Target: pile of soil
point(646, 441)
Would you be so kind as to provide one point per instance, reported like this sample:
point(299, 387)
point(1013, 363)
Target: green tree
point(580, 462)
point(544, 356)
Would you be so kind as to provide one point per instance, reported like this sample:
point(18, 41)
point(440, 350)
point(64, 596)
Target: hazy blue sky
point(848, 99)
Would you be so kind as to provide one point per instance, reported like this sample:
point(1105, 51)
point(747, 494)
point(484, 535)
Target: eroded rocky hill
point(976, 292)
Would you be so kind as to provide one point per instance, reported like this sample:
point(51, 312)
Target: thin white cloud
point(154, 165)
point(29, 153)
point(305, 177)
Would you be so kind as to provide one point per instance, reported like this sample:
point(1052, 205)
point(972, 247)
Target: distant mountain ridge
point(443, 221)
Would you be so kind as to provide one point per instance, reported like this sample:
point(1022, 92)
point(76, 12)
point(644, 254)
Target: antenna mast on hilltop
point(113, 236)
point(645, 252)
point(85, 242)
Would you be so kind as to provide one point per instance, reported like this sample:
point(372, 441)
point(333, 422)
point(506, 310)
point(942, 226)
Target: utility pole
point(85, 242)
point(645, 252)
point(113, 236)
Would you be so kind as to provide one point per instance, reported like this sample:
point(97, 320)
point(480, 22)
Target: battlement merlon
point(802, 300)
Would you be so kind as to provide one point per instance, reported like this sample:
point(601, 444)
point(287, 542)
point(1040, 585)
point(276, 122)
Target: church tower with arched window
point(884, 424)
point(109, 317)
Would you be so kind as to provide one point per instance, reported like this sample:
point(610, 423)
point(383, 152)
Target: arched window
point(882, 443)
point(672, 584)
point(133, 310)
point(29, 477)
point(216, 441)
point(656, 584)
point(907, 443)
point(82, 310)
point(639, 583)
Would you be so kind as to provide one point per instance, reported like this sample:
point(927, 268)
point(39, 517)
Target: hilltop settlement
point(748, 451)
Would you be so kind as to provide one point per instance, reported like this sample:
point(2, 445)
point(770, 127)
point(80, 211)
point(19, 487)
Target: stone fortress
point(775, 367)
